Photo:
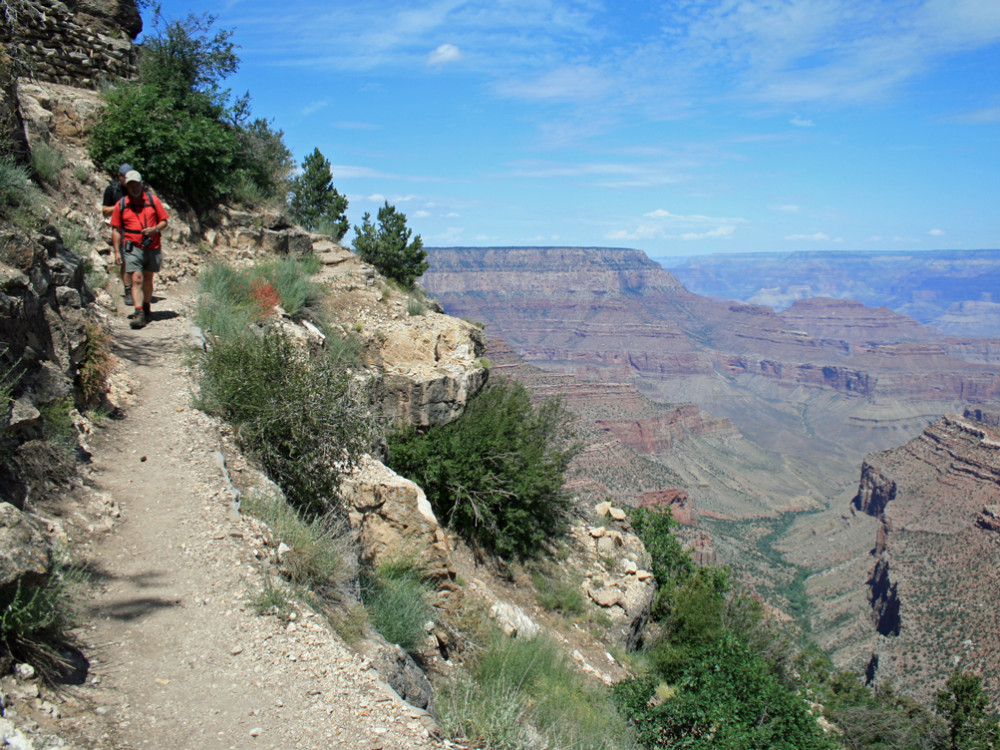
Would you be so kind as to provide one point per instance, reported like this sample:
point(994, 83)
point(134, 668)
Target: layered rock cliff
point(934, 578)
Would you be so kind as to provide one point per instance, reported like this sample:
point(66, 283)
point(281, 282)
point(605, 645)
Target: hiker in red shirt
point(136, 223)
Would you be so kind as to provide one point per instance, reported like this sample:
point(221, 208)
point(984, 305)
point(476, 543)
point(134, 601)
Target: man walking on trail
point(113, 193)
point(136, 223)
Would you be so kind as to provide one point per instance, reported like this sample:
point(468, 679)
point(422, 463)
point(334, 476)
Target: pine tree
point(388, 246)
point(315, 202)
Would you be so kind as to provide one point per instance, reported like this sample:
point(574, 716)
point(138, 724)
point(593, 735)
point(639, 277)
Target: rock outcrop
point(79, 43)
point(937, 499)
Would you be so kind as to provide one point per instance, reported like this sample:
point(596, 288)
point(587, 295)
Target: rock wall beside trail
point(79, 43)
point(42, 339)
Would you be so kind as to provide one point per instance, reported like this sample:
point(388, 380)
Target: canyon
point(760, 420)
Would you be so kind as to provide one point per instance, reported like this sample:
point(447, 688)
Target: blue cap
point(124, 169)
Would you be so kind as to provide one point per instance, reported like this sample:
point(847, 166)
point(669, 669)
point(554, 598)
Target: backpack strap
point(121, 208)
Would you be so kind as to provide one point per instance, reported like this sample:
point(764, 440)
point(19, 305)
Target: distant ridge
point(956, 291)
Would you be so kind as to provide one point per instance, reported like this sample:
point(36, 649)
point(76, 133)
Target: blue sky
point(679, 128)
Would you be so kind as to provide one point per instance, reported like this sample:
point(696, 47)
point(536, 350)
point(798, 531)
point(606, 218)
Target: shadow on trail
point(132, 608)
point(138, 349)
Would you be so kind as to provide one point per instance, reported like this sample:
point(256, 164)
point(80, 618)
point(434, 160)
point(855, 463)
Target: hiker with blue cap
point(113, 193)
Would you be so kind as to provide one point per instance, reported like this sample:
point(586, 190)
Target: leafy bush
point(670, 564)
point(315, 202)
point(304, 418)
point(495, 475)
point(724, 697)
point(388, 246)
point(176, 126)
point(524, 693)
point(398, 602)
point(180, 146)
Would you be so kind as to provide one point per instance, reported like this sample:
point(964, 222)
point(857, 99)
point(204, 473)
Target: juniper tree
point(315, 202)
point(388, 246)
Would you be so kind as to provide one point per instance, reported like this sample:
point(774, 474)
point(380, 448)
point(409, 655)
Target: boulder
point(432, 368)
point(391, 516)
point(402, 673)
point(25, 554)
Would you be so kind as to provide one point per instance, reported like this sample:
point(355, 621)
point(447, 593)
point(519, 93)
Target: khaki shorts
point(136, 259)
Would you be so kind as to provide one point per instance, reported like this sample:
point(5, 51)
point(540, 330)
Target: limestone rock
point(391, 516)
point(513, 621)
point(431, 367)
point(25, 554)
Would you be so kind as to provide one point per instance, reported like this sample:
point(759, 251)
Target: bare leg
point(139, 287)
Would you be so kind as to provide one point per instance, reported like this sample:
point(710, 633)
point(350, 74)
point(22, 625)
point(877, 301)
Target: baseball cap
point(133, 176)
point(124, 169)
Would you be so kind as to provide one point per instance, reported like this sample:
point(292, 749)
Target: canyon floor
point(177, 655)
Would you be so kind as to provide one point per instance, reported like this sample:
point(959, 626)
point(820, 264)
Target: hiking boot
point(128, 296)
point(138, 319)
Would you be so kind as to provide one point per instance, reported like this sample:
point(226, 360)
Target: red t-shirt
point(146, 211)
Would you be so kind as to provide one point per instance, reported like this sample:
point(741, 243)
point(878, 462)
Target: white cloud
point(446, 53)
point(348, 125)
point(712, 234)
point(788, 208)
point(690, 218)
point(577, 83)
point(421, 214)
point(449, 236)
point(936, 233)
point(800, 122)
point(815, 237)
point(314, 107)
point(983, 116)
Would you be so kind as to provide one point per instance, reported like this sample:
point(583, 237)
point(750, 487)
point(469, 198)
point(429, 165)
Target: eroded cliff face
point(820, 384)
point(934, 580)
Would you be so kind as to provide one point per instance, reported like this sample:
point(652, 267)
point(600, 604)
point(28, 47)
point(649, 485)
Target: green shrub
point(320, 557)
point(315, 203)
point(271, 599)
point(47, 162)
point(19, 196)
point(36, 619)
point(388, 247)
point(724, 697)
point(524, 693)
point(555, 591)
point(231, 299)
point(415, 307)
point(176, 125)
point(495, 475)
point(398, 602)
point(303, 417)
point(181, 147)
point(97, 363)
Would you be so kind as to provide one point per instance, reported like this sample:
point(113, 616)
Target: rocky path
point(179, 658)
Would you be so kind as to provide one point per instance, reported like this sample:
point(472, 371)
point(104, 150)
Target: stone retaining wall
point(73, 47)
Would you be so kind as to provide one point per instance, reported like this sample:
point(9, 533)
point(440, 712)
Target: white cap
point(133, 176)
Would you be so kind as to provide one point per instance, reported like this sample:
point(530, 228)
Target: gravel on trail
point(178, 656)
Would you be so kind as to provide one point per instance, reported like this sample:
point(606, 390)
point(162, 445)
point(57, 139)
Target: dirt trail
point(178, 657)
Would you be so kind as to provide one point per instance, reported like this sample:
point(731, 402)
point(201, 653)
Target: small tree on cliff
point(388, 246)
point(315, 202)
point(963, 705)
